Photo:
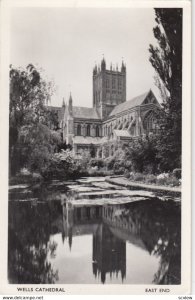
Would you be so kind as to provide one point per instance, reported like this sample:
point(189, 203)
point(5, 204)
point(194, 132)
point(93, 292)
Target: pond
point(90, 231)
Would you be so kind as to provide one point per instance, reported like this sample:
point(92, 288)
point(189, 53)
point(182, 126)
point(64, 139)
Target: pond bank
point(122, 181)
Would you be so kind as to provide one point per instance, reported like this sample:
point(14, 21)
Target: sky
point(67, 42)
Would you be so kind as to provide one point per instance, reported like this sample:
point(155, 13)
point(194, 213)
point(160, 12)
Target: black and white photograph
point(95, 147)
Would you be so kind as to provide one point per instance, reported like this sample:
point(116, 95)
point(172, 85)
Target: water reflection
point(122, 235)
point(28, 242)
point(109, 254)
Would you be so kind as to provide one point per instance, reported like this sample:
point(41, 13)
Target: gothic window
point(108, 130)
point(150, 123)
point(97, 131)
point(119, 84)
point(113, 83)
point(79, 129)
point(132, 130)
point(112, 150)
point(107, 83)
point(88, 130)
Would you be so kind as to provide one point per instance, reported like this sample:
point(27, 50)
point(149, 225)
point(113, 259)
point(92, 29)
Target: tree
point(143, 155)
point(28, 95)
point(166, 58)
point(37, 145)
point(27, 111)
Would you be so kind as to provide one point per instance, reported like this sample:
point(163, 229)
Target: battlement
point(109, 87)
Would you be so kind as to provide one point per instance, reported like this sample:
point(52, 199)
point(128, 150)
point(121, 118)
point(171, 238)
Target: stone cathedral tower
point(109, 88)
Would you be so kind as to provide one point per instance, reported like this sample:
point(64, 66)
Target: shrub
point(177, 173)
point(150, 178)
point(119, 164)
point(25, 172)
point(127, 174)
point(119, 171)
point(110, 161)
point(62, 165)
point(168, 179)
point(173, 181)
point(138, 177)
point(97, 162)
point(162, 176)
point(128, 165)
point(162, 181)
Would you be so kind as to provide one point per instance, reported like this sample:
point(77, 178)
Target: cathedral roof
point(78, 112)
point(85, 113)
point(54, 108)
point(129, 104)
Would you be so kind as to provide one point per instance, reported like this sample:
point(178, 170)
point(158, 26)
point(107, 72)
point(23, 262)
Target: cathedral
point(112, 118)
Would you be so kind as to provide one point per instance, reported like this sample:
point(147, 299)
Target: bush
point(110, 161)
point(119, 171)
point(63, 165)
point(119, 164)
point(161, 179)
point(138, 177)
point(173, 181)
point(127, 174)
point(163, 176)
point(150, 178)
point(128, 165)
point(97, 162)
point(177, 173)
point(141, 154)
point(168, 179)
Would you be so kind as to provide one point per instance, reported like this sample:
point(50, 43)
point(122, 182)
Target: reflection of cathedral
point(109, 254)
point(113, 225)
point(111, 118)
point(109, 251)
point(150, 225)
point(110, 230)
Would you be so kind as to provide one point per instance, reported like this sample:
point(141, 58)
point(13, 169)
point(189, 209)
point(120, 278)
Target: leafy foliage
point(97, 162)
point(166, 58)
point(143, 155)
point(29, 245)
point(38, 143)
point(63, 165)
point(31, 141)
point(28, 95)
